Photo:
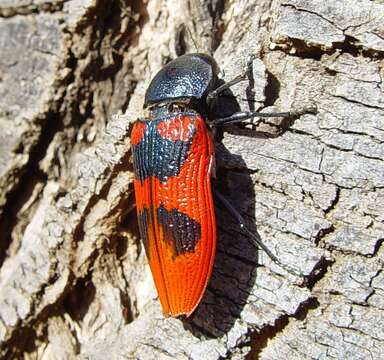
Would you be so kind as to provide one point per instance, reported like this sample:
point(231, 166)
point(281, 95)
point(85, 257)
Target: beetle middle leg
point(239, 117)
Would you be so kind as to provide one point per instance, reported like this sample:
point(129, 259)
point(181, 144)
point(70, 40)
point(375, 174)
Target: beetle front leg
point(239, 78)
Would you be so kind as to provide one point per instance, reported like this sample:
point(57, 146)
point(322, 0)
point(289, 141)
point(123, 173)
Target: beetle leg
point(239, 78)
point(255, 237)
point(244, 115)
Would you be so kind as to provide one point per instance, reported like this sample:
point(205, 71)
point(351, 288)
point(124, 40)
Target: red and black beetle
point(173, 157)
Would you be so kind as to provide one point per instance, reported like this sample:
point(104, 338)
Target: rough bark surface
point(74, 280)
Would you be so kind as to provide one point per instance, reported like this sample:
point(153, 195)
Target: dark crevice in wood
point(79, 298)
point(334, 202)
point(260, 339)
point(216, 10)
point(322, 233)
point(305, 51)
point(30, 175)
point(181, 43)
point(21, 345)
point(305, 307)
point(318, 272)
point(350, 46)
point(272, 90)
point(377, 246)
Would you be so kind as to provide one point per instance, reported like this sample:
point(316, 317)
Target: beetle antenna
point(186, 27)
point(193, 40)
point(181, 45)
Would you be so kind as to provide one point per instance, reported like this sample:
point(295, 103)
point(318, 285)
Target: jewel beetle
point(173, 161)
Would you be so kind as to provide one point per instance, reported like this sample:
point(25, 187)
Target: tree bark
point(74, 279)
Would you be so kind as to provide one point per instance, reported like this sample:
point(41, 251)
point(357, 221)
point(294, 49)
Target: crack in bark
point(335, 147)
point(358, 102)
point(16, 198)
point(348, 45)
point(298, 8)
point(319, 272)
point(259, 340)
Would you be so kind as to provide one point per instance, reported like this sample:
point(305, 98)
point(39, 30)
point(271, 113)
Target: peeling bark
point(74, 280)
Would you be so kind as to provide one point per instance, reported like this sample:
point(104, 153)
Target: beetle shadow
point(234, 271)
point(235, 267)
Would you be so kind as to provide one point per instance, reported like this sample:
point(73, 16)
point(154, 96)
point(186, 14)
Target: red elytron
point(173, 159)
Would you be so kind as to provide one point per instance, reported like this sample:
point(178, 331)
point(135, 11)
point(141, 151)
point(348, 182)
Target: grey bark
point(74, 280)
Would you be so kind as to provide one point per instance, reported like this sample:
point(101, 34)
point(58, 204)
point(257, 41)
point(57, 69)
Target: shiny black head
point(189, 76)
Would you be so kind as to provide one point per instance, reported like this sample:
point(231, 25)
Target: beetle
point(173, 161)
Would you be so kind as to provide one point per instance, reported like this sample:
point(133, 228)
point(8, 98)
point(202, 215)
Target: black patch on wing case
point(144, 220)
point(179, 228)
point(183, 231)
point(156, 156)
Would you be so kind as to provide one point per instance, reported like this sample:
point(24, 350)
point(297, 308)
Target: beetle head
point(187, 77)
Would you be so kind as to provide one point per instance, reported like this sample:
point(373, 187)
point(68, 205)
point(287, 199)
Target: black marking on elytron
point(179, 228)
point(156, 156)
point(144, 220)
